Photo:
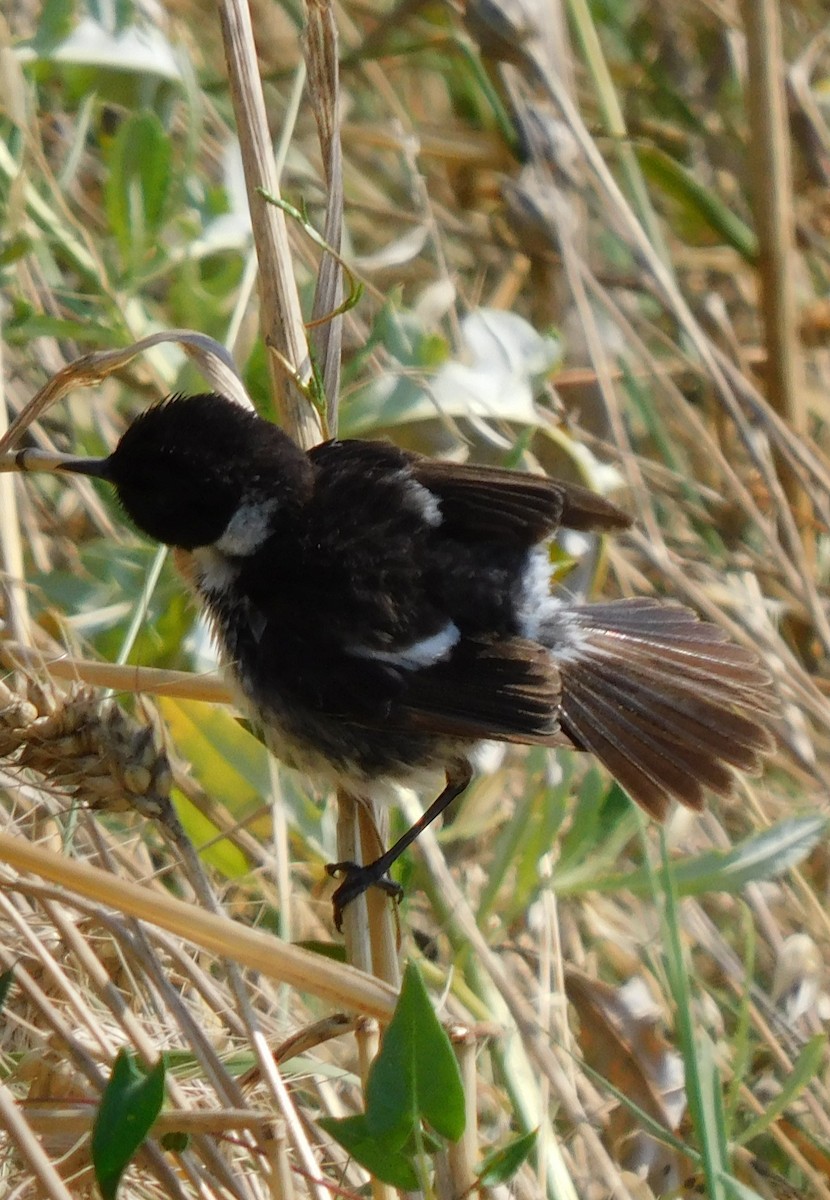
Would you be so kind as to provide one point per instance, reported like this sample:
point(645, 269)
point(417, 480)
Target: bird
point(382, 614)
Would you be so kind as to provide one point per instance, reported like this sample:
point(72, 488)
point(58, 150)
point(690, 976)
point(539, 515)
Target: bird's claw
point(356, 880)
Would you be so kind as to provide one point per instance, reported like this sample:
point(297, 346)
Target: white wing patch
point(424, 653)
point(421, 500)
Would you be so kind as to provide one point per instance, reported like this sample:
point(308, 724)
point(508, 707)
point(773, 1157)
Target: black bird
point(382, 613)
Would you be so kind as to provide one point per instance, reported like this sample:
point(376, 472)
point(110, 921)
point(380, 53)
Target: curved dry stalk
point(92, 369)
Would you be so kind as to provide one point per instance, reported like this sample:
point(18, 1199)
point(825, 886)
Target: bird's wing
point(390, 654)
point(479, 503)
point(317, 674)
point(507, 690)
point(357, 455)
point(476, 503)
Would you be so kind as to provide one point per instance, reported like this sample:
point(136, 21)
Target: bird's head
point(195, 468)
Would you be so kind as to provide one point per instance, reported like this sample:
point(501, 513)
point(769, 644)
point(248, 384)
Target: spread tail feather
point(663, 700)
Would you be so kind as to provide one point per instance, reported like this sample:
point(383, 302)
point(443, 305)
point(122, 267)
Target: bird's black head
point(185, 467)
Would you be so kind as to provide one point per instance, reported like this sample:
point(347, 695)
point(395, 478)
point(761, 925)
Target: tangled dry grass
point(589, 172)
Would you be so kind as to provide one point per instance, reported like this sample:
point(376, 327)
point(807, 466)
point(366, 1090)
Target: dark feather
point(495, 689)
point(669, 635)
point(479, 503)
point(316, 675)
point(369, 460)
point(662, 699)
point(507, 690)
point(369, 602)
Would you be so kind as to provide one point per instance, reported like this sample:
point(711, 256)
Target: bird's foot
point(356, 880)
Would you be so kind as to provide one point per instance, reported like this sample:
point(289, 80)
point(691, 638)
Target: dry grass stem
point(567, 265)
point(281, 318)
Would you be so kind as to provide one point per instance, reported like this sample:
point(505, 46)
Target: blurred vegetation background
point(591, 238)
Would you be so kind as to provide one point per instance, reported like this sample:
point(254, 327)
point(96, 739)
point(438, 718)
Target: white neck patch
point(247, 529)
point(212, 573)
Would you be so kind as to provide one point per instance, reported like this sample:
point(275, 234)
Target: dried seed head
point(87, 747)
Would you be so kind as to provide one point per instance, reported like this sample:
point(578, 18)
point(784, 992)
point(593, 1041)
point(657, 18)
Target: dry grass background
point(626, 175)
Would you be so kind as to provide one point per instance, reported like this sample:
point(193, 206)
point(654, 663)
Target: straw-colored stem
point(28, 1146)
point(182, 685)
point(464, 1154)
point(340, 985)
point(281, 318)
point(772, 206)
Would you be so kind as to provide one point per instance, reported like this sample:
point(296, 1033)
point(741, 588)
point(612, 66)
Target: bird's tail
point(664, 700)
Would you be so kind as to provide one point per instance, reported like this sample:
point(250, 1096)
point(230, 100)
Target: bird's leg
point(357, 879)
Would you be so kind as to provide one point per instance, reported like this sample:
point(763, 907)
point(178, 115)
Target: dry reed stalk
point(281, 322)
point(280, 316)
point(774, 212)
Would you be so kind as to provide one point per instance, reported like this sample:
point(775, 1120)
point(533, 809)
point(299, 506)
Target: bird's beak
point(98, 468)
point(45, 460)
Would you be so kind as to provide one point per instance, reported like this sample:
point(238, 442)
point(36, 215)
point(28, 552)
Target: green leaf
point(25, 330)
point(137, 186)
point(130, 1104)
point(713, 1118)
point(390, 1166)
point(438, 1087)
point(55, 23)
point(333, 950)
point(391, 1112)
point(501, 1165)
point(805, 1070)
point(416, 1072)
point(126, 64)
point(496, 377)
point(696, 201)
point(217, 850)
point(704, 1092)
point(229, 761)
point(760, 857)
point(232, 766)
point(604, 821)
point(513, 876)
point(599, 811)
